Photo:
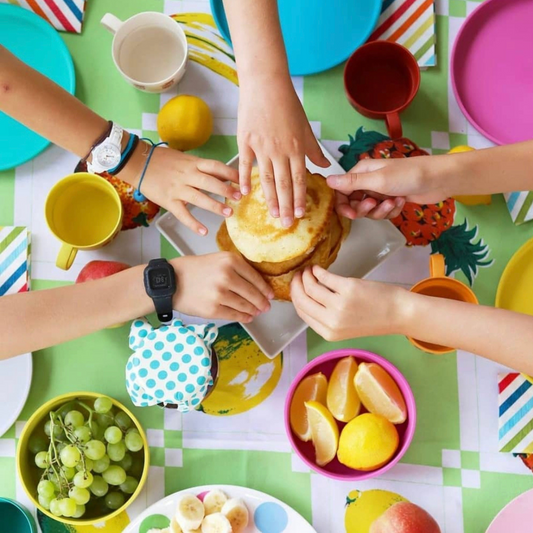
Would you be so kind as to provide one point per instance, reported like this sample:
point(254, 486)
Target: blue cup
point(15, 518)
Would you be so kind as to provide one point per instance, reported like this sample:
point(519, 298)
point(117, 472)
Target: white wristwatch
point(107, 154)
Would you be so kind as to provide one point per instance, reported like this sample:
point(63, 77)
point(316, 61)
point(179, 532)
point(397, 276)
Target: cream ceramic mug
point(149, 50)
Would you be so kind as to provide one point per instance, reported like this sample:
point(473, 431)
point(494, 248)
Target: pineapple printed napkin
point(515, 417)
point(410, 23)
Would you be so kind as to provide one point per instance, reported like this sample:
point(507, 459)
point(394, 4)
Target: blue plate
point(318, 34)
point(39, 45)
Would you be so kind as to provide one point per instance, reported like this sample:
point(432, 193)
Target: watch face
point(108, 156)
point(159, 278)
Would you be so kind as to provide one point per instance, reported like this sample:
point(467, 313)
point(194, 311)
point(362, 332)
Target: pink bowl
point(325, 364)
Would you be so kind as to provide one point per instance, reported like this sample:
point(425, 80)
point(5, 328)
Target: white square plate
point(368, 245)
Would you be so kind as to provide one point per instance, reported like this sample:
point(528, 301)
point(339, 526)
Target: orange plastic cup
point(441, 286)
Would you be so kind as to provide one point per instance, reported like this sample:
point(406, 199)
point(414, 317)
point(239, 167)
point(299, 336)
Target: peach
point(100, 269)
point(405, 517)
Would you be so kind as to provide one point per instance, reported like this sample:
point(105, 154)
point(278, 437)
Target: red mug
point(381, 79)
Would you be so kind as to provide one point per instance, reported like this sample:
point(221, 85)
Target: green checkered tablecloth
point(452, 469)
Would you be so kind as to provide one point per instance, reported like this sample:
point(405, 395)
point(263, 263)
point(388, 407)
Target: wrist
point(131, 173)
point(273, 78)
point(404, 312)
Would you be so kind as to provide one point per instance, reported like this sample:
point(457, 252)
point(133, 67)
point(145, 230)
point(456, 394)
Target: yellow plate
point(516, 284)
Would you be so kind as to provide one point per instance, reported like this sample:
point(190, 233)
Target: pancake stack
point(277, 252)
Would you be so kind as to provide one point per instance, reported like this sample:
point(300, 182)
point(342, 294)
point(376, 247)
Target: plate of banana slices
point(219, 509)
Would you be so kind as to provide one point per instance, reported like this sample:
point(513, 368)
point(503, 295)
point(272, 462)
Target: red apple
point(100, 269)
point(405, 517)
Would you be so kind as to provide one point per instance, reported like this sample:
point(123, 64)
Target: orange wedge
point(324, 432)
point(379, 393)
point(311, 388)
point(342, 400)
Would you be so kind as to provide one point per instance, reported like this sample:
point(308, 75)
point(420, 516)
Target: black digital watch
point(160, 285)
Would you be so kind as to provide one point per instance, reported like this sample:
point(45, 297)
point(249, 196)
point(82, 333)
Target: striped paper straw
point(412, 24)
point(63, 15)
point(515, 417)
point(14, 260)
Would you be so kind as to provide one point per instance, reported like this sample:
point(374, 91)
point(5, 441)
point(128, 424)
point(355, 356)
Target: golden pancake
point(261, 238)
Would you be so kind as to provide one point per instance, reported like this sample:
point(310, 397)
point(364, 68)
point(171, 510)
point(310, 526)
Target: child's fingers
point(283, 182)
point(184, 216)
point(246, 163)
point(383, 210)
point(299, 185)
point(218, 170)
point(228, 313)
point(266, 172)
point(203, 201)
point(214, 186)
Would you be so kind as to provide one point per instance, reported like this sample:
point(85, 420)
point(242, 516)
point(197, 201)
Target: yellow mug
point(84, 212)
point(441, 286)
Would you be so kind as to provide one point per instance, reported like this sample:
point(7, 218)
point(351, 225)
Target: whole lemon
point(367, 442)
point(185, 122)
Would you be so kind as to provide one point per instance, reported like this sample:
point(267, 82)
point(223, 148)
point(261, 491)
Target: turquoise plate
point(318, 34)
point(39, 45)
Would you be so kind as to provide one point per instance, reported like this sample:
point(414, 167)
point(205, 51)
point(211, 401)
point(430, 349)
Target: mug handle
point(437, 266)
point(111, 23)
point(66, 256)
point(394, 125)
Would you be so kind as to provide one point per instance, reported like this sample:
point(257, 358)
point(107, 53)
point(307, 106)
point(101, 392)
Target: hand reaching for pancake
point(274, 130)
point(340, 308)
point(220, 286)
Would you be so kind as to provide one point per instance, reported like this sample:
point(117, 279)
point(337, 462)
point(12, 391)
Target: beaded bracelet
point(137, 195)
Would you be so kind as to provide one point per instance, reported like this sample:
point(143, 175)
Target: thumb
point(333, 282)
point(314, 153)
point(359, 180)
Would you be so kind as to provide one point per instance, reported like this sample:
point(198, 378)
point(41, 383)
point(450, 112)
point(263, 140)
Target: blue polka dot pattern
point(171, 364)
point(271, 517)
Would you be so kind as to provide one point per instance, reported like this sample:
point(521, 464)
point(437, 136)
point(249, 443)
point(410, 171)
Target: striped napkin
point(520, 205)
point(14, 260)
point(63, 15)
point(515, 422)
point(412, 24)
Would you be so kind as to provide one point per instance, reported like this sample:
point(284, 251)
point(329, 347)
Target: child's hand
point(274, 130)
point(175, 179)
point(220, 286)
point(340, 308)
point(378, 188)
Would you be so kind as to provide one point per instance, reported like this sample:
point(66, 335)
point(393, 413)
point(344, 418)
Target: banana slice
point(236, 512)
point(175, 527)
point(214, 501)
point(190, 512)
point(216, 523)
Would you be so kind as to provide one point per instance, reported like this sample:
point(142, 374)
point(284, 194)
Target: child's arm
point(342, 308)
point(219, 285)
point(432, 179)
point(272, 124)
point(173, 178)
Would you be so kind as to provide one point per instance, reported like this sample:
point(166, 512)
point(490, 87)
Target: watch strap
point(100, 139)
point(115, 137)
point(162, 307)
point(126, 155)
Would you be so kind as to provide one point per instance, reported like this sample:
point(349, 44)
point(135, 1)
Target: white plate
point(368, 245)
point(15, 381)
point(283, 518)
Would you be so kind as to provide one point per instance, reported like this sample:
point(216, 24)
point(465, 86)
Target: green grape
point(116, 452)
point(129, 486)
point(114, 500)
point(46, 488)
point(82, 480)
point(44, 501)
point(66, 408)
point(114, 475)
point(126, 462)
point(103, 404)
point(99, 487)
point(69, 472)
point(83, 434)
point(113, 435)
point(67, 506)
point(41, 460)
point(37, 444)
point(70, 456)
point(74, 419)
point(123, 420)
point(96, 431)
point(137, 467)
point(134, 442)
point(94, 450)
point(79, 495)
point(55, 481)
point(102, 464)
point(55, 508)
point(60, 446)
point(80, 511)
point(89, 464)
point(105, 421)
point(58, 432)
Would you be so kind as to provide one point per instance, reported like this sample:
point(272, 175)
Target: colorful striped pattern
point(63, 15)
point(520, 205)
point(14, 260)
point(515, 400)
point(412, 24)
